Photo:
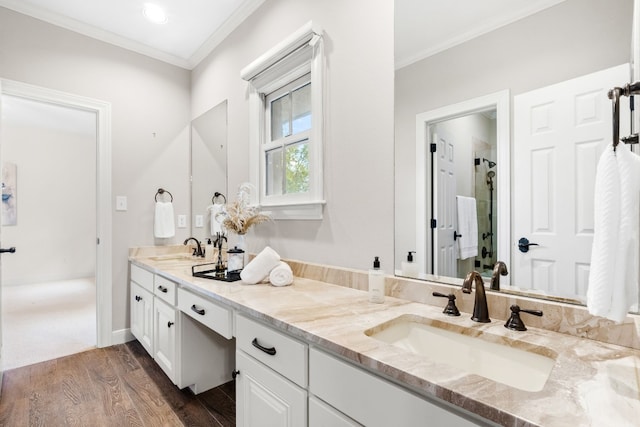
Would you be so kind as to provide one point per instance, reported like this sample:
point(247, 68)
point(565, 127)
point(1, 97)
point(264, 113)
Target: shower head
point(491, 164)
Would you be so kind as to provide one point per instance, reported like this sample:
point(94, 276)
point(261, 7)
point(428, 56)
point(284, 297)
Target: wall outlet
point(121, 203)
point(182, 221)
point(199, 221)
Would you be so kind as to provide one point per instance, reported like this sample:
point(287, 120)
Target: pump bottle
point(376, 283)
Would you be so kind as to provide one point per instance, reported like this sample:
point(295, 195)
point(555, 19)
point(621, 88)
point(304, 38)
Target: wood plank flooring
point(115, 386)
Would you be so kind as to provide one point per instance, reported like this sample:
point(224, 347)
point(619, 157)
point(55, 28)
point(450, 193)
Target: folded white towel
point(164, 225)
point(613, 275)
point(467, 227)
point(260, 267)
point(281, 275)
point(215, 218)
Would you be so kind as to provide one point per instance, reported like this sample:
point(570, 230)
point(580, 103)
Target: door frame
point(501, 102)
point(104, 321)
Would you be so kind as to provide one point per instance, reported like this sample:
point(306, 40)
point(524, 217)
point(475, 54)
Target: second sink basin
point(524, 369)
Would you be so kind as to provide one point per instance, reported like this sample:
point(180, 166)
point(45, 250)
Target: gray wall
point(574, 38)
point(358, 173)
point(147, 96)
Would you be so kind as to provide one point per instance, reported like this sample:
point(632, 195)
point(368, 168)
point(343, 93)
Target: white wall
point(358, 216)
point(571, 39)
point(56, 224)
point(147, 97)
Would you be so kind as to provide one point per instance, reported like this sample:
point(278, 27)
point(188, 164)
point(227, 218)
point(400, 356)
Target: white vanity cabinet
point(190, 353)
point(141, 300)
point(271, 376)
point(371, 400)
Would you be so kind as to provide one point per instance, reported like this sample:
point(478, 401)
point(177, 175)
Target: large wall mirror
point(208, 167)
point(481, 87)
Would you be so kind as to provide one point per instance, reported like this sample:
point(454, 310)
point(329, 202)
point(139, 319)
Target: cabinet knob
point(170, 323)
point(138, 298)
point(234, 374)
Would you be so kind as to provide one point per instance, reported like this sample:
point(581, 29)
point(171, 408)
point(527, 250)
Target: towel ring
point(216, 195)
point(162, 191)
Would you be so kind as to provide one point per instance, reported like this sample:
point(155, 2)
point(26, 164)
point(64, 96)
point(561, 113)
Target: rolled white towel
point(281, 275)
point(260, 267)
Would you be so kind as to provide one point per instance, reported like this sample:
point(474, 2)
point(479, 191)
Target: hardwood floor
point(115, 386)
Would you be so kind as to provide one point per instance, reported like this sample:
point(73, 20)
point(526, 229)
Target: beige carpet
point(46, 321)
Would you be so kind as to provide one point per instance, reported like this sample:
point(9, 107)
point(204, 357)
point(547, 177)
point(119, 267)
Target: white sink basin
point(501, 362)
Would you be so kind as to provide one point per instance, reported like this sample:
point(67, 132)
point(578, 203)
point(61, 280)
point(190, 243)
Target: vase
point(241, 244)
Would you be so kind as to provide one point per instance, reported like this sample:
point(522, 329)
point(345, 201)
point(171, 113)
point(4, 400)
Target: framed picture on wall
point(9, 194)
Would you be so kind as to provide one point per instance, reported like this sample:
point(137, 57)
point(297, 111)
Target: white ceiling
point(193, 30)
point(196, 27)
point(426, 27)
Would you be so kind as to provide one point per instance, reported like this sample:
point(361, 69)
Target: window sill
point(295, 211)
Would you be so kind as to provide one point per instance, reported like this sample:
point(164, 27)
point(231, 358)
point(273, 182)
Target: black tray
point(209, 271)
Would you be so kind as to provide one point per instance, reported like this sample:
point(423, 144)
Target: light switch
point(121, 203)
point(199, 221)
point(182, 221)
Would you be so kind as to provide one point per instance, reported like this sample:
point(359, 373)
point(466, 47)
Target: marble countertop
point(591, 384)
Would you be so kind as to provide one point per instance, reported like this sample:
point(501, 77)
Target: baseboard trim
point(121, 336)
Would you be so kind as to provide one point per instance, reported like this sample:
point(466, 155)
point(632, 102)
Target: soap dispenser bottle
point(410, 267)
point(376, 283)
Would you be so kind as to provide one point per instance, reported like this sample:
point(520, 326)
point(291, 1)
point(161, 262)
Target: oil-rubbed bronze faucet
point(480, 309)
point(198, 250)
point(500, 269)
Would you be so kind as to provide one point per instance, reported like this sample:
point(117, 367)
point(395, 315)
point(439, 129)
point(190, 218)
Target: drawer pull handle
point(234, 374)
point(162, 289)
point(169, 324)
point(200, 311)
point(270, 351)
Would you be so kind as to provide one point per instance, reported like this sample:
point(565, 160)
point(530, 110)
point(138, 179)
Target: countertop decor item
point(240, 216)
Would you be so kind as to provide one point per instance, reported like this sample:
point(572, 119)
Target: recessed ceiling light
point(154, 13)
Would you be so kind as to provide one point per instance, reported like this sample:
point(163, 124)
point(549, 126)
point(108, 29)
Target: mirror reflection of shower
point(489, 253)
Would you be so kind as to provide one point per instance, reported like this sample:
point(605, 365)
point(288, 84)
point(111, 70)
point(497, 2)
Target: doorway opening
point(98, 234)
point(433, 180)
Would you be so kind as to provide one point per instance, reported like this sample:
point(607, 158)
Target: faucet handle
point(514, 322)
point(450, 309)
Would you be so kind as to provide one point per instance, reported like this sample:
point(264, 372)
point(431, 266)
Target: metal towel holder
point(162, 191)
point(614, 94)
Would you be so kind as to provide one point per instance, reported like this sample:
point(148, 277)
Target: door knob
point(10, 250)
point(456, 235)
point(523, 245)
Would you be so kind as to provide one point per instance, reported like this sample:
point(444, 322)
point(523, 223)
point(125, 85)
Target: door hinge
point(432, 147)
point(97, 240)
point(434, 223)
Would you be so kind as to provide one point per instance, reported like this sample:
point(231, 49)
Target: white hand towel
point(164, 225)
point(260, 267)
point(281, 275)
point(216, 223)
point(613, 275)
point(467, 227)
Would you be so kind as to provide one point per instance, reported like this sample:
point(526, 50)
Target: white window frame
point(299, 54)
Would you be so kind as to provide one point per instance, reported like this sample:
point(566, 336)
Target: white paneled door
point(559, 134)
point(445, 184)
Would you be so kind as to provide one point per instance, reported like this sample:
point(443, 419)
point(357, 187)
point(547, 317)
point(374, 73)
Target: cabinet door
point(264, 398)
point(142, 316)
point(164, 318)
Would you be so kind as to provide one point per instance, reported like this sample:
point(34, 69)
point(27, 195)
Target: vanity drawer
point(142, 277)
point(210, 314)
point(278, 351)
point(165, 289)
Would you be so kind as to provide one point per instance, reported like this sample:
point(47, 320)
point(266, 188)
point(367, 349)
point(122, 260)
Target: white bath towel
point(613, 275)
point(260, 267)
point(467, 216)
point(281, 275)
point(164, 224)
point(216, 219)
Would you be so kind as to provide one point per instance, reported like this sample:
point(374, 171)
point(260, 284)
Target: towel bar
point(162, 191)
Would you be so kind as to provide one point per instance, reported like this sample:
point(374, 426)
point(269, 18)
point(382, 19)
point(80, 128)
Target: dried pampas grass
point(239, 216)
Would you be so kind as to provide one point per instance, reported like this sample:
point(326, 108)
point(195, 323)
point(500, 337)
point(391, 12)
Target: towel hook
point(216, 195)
point(162, 191)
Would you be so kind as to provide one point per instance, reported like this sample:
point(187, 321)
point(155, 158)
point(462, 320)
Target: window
point(286, 126)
